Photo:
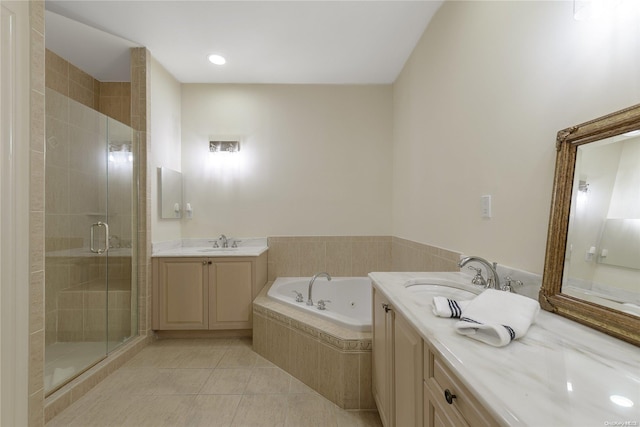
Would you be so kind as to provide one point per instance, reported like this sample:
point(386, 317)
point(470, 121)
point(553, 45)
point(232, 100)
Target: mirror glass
point(602, 259)
point(592, 262)
point(170, 191)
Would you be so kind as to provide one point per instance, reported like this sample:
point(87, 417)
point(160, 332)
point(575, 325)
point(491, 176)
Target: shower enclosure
point(90, 238)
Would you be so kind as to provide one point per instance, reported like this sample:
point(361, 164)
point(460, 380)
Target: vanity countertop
point(560, 373)
point(246, 247)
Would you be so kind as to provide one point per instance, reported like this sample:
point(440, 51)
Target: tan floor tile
point(213, 410)
point(172, 382)
point(227, 381)
point(128, 381)
point(261, 362)
point(106, 411)
point(238, 358)
point(261, 410)
point(298, 386)
point(306, 410)
point(268, 381)
point(180, 381)
point(201, 357)
point(159, 411)
point(155, 357)
point(357, 418)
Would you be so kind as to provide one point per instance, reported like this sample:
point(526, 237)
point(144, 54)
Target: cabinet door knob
point(449, 396)
point(204, 262)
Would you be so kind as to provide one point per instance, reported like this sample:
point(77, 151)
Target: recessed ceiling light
point(217, 59)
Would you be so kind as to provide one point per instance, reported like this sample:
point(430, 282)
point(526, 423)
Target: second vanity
point(559, 374)
point(199, 287)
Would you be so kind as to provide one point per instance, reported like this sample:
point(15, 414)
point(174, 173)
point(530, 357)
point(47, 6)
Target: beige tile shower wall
point(71, 81)
point(112, 99)
point(140, 101)
point(407, 255)
point(340, 256)
point(36, 214)
point(115, 101)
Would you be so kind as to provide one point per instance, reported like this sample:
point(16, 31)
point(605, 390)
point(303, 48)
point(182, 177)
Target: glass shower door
point(122, 321)
point(90, 238)
point(76, 239)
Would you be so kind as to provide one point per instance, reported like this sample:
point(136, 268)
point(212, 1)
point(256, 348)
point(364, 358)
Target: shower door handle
point(106, 237)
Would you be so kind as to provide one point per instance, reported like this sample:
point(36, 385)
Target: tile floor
point(205, 382)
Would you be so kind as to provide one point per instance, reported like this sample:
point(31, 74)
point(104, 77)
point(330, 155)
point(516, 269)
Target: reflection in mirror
point(592, 269)
point(170, 191)
point(603, 241)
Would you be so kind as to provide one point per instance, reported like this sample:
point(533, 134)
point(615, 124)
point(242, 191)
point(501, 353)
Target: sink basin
point(218, 250)
point(423, 291)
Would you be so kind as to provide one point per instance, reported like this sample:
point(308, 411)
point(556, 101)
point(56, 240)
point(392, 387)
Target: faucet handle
point(322, 304)
point(507, 287)
point(478, 279)
point(299, 297)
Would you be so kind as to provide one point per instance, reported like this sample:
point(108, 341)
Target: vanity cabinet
point(447, 402)
point(397, 362)
point(410, 380)
point(210, 293)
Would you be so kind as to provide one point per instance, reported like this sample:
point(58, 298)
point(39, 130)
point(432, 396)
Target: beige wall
point(315, 160)
point(166, 148)
point(476, 111)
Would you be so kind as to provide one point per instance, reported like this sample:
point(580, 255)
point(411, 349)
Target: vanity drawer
point(439, 378)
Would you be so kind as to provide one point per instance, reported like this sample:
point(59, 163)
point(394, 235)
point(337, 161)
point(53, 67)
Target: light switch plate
point(485, 206)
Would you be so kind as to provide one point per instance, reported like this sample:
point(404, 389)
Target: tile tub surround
point(340, 256)
point(332, 360)
point(559, 373)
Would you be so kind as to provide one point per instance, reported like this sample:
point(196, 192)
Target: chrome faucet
point(223, 238)
point(313, 279)
point(494, 280)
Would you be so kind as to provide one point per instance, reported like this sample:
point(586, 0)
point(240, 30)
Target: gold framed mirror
point(564, 291)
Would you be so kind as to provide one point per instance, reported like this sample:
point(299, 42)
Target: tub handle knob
point(299, 297)
point(386, 307)
point(322, 304)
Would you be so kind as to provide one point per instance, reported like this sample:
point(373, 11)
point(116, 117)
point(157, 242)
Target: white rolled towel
point(447, 307)
point(497, 317)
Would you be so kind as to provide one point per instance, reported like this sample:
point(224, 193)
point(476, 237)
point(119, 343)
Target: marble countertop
point(560, 373)
point(246, 247)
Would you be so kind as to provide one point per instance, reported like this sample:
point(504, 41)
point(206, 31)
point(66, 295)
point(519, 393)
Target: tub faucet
point(313, 279)
point(493, 281)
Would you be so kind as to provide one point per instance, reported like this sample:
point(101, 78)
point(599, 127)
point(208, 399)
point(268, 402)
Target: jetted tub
point(350, 298)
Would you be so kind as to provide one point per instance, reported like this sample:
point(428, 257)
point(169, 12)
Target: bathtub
point(350, 298)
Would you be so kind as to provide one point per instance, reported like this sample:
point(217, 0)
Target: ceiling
point(310, 42)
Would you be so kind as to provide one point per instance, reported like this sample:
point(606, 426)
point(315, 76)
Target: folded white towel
point(497, 317)
point(447, 307)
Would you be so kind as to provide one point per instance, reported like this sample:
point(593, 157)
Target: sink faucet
point(494, 280)
point(313, 279)
point(223, 238)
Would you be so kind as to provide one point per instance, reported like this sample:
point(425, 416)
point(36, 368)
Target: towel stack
point(493, 317)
